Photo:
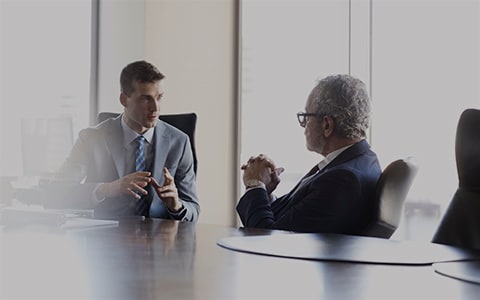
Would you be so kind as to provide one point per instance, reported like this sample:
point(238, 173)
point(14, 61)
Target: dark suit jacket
point(339, 199)
point(98, 156)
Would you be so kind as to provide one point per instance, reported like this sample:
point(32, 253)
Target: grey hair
point(345, 99)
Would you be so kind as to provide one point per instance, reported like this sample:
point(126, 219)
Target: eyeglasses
point(303, 117)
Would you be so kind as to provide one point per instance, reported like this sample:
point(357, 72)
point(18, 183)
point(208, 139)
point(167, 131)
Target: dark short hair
point(138, 71)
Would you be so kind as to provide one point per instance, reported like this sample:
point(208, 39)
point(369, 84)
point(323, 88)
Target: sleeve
point(68, 188)
point(328, 204)
point(185, 181)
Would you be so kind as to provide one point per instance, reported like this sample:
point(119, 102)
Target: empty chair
point(392, 189)
point(460, 225)
point(186, 122)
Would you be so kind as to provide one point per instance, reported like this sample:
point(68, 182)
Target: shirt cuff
point(97, 200)
point(179, 215)
point(259, 185)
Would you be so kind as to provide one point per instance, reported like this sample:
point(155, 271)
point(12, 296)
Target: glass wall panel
point(286, 47)
point(423, 67)
point(44, 82)
point(426, 71)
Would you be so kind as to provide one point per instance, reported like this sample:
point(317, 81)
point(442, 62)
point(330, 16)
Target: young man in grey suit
point(119, 176)
point(338, 194)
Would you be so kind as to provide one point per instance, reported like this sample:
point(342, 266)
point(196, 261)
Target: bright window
point(421, 76)
point(281, 44)
point(44, 83)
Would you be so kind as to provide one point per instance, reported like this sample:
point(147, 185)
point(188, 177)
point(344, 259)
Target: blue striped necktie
point(140, 154)
point(141, 207)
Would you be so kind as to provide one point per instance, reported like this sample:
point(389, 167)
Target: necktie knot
point(140, 141)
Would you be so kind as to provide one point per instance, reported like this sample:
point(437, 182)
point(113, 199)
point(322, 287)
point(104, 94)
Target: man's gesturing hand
point(132, 184)
point(168, 192)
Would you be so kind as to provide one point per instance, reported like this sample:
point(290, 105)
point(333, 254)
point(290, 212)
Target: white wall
point(193, 43)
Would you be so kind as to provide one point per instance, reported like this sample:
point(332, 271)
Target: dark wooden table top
point(349, 248)
point(159, 259)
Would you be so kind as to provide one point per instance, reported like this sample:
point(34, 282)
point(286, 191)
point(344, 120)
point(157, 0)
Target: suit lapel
point(350, 153)
point(290, 199)
point(114, 140)
point(281, 202)
point(161, 143)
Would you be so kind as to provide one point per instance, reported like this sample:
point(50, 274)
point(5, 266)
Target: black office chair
point(186, 122)
point(460, 225)
point(392, 189)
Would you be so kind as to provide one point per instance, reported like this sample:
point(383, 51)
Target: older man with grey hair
point(338, 194)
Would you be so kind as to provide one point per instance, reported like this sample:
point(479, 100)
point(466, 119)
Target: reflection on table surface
point(462, 270)
point(348, 248)
point(161, 259)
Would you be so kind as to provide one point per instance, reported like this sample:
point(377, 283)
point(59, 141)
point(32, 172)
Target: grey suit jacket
point(98, 156)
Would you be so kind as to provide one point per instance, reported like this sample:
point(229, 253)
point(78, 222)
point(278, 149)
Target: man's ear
point(328, 126)
point(123, 99)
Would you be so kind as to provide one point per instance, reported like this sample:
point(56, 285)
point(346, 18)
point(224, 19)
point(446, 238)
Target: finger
point(275, 173)
point(136, 178)
point(262, 157)
point(168, 177)
point(257, 160)
point(139, 189)
point(142, 182)
point(155, 183)
point(165, 188)
point(142, 174)
point(133, 193)
point(274, 177)
point(279, 171)
point(168, 194)
point(270, 164)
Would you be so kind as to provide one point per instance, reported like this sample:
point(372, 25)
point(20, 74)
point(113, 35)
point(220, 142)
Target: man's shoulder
point(169, 130)
point(358, 160)
point(100, 130)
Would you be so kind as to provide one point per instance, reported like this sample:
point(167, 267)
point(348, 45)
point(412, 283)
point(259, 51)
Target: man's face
point(142, 106)
point(315, 140)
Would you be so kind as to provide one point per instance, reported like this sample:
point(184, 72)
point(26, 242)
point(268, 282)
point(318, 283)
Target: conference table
point(143, 258)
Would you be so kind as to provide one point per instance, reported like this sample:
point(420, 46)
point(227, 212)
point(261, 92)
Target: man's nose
point(153, 105)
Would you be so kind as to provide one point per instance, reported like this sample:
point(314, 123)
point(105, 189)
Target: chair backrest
point(186, 122)
point(392, 189)
point(460, 225)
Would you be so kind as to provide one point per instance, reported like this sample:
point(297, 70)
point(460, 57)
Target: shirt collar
point(331, 156)
point(130, 135)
